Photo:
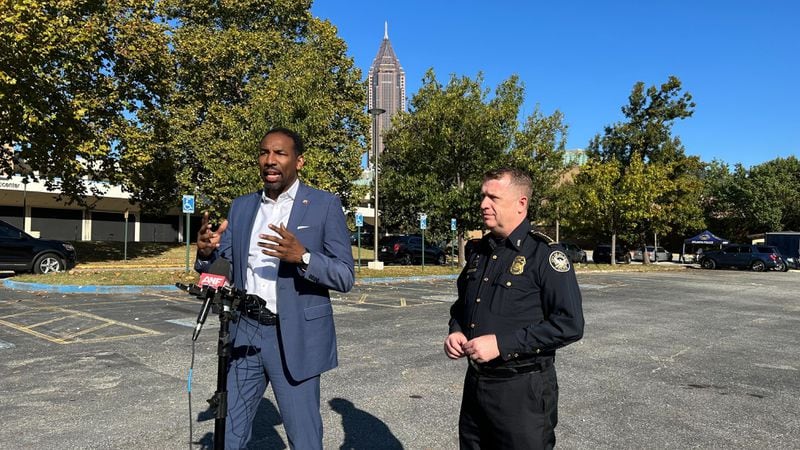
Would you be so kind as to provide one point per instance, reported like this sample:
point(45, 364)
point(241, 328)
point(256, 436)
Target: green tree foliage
point(172, 97)
point(665, 200)
point(240, 68)
point(436, 154)
point(538, 149)
point(739, 202)
point(70, 71)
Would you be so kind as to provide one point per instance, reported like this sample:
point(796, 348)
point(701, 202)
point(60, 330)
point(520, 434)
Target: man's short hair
point(519, 178)
point(299, 147)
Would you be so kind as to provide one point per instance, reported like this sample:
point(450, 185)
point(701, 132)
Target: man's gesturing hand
point(453, 344)
point(284, 246)
point(208, 240)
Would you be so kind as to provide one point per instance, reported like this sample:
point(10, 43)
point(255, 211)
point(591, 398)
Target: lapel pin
point(305, 202)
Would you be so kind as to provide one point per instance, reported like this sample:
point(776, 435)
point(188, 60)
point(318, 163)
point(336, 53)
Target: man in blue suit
point(288, 245)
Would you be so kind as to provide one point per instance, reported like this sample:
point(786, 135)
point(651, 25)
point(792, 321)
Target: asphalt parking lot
point(687, 359)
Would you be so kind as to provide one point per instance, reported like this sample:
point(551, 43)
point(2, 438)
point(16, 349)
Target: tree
point(436, 154)
point(612, 199)
point(171, 97)
point(70, 71)
point(538, 149)
point(764, 198)
point(646, 137)
point(241, 68)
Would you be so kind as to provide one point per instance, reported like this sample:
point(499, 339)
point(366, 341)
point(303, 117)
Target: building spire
point(386, 30)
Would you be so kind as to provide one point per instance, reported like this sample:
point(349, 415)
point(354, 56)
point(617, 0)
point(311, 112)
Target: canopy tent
point(704, 238)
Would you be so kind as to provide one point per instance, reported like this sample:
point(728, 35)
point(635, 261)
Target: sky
point(740, 60)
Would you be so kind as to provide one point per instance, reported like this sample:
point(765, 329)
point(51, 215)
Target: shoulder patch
point(559, 261)
point(541, 237)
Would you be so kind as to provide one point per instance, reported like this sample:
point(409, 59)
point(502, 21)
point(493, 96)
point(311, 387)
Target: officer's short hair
point(518, 178)
point(299, 147)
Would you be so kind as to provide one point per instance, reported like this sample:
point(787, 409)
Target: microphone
point(215, 279)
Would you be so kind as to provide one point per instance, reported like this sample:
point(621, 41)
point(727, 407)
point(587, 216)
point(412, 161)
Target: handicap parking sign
point(188, 204)
point(359, 220)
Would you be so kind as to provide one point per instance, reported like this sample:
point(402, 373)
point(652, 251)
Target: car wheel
point(627, 259)
point(757, 265)
point(441, 260)
point(782, 267)
point(583, 259)
point(48, 263)
point(405, 260)
point(708, 263)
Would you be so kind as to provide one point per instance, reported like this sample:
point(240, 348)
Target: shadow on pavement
point(362, 430)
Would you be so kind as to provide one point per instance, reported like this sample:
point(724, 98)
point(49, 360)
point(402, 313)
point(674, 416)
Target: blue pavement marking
point(4, 345)
point(405, 279)
point(89, 289)
point(130, 289)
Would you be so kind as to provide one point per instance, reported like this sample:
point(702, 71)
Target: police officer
point(518, 301)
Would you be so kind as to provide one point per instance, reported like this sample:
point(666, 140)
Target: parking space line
point(73, 338)
point(30, 331)
point(52, 320)
point(86, 331)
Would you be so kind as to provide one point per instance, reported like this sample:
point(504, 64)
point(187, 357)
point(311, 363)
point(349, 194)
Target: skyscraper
point(387, 87)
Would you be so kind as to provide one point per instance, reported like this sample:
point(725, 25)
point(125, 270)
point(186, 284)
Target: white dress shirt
point(262, 270)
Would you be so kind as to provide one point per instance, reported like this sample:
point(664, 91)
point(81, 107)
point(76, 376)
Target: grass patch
point(102, 263)
point(104, 277)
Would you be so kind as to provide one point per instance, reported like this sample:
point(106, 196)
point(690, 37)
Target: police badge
point(518, 265)
point(559, 261)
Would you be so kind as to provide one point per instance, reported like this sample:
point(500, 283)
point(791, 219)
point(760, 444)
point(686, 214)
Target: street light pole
point(375, 112)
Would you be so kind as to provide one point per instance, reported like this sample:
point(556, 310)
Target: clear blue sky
point(740, 60)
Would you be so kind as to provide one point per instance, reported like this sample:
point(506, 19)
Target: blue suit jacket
point(304, 306)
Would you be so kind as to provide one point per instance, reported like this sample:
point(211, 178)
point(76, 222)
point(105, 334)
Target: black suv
point(407, 250)
point(574, 253)
point(602, 254)
point(22, 252)
point(755, 257)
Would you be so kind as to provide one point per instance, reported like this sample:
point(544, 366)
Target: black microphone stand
point(226, 301)
point(228, 305)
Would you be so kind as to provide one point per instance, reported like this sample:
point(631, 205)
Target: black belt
point(255, 308)
point(506, 371)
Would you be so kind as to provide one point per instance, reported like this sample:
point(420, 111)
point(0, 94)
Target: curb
point(89, 289)
point(135, 289)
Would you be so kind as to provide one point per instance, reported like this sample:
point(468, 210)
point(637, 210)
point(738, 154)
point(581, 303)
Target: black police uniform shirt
point(524, 291)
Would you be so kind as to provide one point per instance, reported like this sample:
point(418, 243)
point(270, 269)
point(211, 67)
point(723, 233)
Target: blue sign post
point(359, 224)
point(188, 209)
point(455, 242)
point(423, 225)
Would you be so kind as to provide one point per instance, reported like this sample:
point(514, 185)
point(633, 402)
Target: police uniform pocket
point(514, 295)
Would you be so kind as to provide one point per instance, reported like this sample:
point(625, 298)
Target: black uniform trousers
point(516, 412)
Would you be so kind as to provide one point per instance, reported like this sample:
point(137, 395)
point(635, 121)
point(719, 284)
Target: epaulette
point(541, 237)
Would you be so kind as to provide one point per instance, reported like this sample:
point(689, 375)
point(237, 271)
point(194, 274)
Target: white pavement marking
point(4, 345)
point(768, 366)
point(184, 322)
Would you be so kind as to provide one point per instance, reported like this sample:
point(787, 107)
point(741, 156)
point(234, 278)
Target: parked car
point(574, 253)
point(660, 254)
point(367, 239)
point(602, 254)
point(22, 252)
point(755, 257)
point(407, 250)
